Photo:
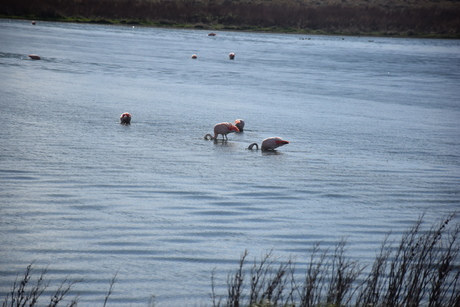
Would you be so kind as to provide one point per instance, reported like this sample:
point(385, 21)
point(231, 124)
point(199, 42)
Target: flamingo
point(34, 57)
point(270, 144)
point(239, 123)
point(125, 118)
point(193, 56)
point(231, 56)
point(222, 128)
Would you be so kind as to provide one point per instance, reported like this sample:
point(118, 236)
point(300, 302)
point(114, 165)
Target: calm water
point(373, 123)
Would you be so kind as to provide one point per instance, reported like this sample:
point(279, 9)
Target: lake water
point(373, 125)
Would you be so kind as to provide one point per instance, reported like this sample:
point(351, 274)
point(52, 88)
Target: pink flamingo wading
point(270, 143)
point(222, 128)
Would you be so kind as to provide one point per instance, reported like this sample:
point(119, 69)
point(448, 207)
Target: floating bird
point(231, 56)
point(33, 22)
point(193, 56)
point(222, 128)
point(212, 34)
point(239, 123)
point(125, 118)
point(34, 57)
point(270, 144)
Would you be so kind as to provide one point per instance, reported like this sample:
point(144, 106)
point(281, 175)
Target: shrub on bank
point(289, 15)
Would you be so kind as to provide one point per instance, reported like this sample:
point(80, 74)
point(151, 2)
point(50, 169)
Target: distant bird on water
point(231, 56)
point(125, 118)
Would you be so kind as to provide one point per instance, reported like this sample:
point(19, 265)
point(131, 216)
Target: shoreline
point(219, 27)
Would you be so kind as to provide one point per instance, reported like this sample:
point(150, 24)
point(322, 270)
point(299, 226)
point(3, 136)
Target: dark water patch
point(217, 213)
point(182, 240)
point(339, 196)
point(195, 260)
point(7, 174)
point(230, 204)
point(299, 236)
point(19, 178)
point(216, 234)
point(96, 252)
point(309, 191)
point(264, 195)
point(88, 207)
point(119, 243)
point(259, 220)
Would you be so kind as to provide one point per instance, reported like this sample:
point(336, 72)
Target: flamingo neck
point(209, 137)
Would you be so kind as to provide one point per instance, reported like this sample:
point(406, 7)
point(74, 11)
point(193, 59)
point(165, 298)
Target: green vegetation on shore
point(409, 18)
point(422, 269)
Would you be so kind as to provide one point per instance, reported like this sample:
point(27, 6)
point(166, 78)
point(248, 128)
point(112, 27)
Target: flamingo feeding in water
point(239, 123)
point(270, 144)
point(222, 128)
point(125, 118)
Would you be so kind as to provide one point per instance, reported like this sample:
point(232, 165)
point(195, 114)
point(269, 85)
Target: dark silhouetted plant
point(422, 270)
point(23, 293)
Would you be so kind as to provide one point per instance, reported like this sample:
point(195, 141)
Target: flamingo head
point(232, 128)
point(281, 142)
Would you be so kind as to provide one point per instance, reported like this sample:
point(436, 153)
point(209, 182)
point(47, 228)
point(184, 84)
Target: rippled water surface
point(373, 125)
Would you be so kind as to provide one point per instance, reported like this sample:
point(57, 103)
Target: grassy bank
point(412, 18)
point(422, 269)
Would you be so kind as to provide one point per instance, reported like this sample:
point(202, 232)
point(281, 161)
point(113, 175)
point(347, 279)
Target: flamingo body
point(273, 143)
point(223, 129)
point(270, 144)
point(239, 123)
point(125, 118)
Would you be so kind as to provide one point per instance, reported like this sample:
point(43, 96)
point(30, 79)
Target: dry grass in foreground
point(422, 269)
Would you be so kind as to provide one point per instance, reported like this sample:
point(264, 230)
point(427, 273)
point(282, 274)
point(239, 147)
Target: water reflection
point(271, 153)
